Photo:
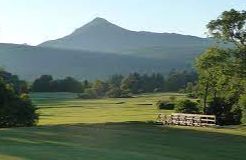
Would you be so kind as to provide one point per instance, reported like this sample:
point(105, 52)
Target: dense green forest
point(117, 85)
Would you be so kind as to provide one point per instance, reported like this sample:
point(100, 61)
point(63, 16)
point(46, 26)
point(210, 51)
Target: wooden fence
point(187, 119)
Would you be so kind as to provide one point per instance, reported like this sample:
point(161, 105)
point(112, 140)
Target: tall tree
point(222, 72)
point(115, 80)
point(42, 84)
point(100, 88)
point(230, 26)
point(210, 66)
point(132, 83)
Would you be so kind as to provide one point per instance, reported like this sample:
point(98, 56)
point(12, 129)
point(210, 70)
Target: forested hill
point(100, 49)
point(30, 62)
point(103, 36)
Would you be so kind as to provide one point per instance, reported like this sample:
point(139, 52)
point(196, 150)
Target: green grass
point(65, 108)
point(70, 128)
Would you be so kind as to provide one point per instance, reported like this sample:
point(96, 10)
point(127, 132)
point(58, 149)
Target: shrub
point(165, 105)
point(226, 113)
point(118, 93)
point(88, 94)
point(187, 106)
point(16, 109)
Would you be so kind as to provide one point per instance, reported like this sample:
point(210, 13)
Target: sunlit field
point(117, 129)
point(65, 108)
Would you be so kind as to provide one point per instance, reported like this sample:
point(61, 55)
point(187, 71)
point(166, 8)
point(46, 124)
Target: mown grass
point(73, 129)
point(65, 108)
point(119, 141)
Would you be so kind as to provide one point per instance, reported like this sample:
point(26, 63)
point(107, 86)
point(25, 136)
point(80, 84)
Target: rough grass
point(64, 133)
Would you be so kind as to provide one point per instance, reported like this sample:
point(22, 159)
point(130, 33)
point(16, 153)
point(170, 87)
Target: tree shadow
point(120, 140)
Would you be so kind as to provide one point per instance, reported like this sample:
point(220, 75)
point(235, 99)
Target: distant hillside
point(103, 36)
point(30, 62)
point(100, 49)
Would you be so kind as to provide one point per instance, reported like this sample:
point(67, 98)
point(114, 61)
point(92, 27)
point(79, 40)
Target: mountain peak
point(99, 20)
point(97, 25)
point(104, 36)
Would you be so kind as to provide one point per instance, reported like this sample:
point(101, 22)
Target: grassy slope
point(55, 138)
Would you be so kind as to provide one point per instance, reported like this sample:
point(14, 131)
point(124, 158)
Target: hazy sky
point(35, 21)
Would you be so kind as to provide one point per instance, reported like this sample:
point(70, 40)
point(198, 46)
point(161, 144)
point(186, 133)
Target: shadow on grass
point(120, 141)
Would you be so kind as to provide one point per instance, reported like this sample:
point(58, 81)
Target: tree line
point(46, 83)
point(117, 85)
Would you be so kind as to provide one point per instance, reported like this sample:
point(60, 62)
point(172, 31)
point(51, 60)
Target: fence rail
point(187, 119)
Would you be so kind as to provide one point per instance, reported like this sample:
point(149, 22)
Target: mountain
point(99, 49)
point(29, 62)
point(103, 36)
